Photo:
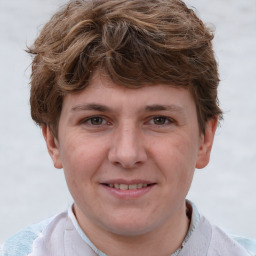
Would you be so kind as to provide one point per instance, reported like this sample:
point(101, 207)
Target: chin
point(130, 231)
point(131, 226)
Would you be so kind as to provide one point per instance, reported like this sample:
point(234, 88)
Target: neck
point(164, 240)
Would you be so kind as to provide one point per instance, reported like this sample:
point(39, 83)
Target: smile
point(126, 190)
point(128, 187)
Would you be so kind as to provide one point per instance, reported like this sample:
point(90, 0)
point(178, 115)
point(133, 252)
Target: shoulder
point(21, 244)
point(247, 243)
point(209, 239)
point(227, 244)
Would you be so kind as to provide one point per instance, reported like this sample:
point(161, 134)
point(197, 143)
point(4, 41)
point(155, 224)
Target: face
point(129, 154)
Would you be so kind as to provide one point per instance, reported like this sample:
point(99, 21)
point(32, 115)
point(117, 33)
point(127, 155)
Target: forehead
point(103, 94)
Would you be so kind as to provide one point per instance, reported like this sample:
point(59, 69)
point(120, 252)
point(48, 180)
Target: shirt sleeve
point(248, 244)
point(19, 244)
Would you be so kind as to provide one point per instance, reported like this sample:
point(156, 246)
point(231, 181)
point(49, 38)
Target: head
point(135, 43)
point(126, 93)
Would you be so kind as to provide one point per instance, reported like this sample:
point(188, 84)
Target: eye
point(161, 120)
point(95, 121)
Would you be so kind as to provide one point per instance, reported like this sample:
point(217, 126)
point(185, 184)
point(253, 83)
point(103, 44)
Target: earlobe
point(52, 146)
point(206, 142)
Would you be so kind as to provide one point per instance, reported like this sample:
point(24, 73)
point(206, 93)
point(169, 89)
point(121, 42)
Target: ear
point(206, 142)
point(52, 146)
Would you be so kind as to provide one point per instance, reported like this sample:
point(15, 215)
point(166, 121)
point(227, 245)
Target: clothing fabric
point(61, 235)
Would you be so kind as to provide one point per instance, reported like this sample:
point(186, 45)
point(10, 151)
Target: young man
point(126, 94)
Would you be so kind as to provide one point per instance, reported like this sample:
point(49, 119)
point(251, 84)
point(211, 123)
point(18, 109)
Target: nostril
point(127, 164)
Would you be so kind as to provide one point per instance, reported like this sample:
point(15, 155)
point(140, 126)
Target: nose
point(127, 148)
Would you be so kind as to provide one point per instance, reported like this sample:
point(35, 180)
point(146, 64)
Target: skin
point(110, 134)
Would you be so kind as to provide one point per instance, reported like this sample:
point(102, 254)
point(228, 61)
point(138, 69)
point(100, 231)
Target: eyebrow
point(148, 108)
point(156, 107)
point(91, 106)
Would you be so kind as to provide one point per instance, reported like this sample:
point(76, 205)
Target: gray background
point(31, 189)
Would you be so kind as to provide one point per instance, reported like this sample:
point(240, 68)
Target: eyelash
point(90, 119)
point(167, 121)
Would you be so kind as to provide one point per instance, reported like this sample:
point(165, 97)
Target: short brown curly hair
point(136, 42)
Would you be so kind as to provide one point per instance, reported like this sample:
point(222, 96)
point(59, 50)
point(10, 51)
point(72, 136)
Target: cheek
point(81, 159)
point(81, 165)
point(176, 157)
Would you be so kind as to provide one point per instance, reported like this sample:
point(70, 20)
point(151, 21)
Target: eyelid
point(148, 120)
point(87, 119)
point(169, 119)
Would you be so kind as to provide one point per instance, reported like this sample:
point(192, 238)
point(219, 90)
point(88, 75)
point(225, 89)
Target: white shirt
point(61, 235)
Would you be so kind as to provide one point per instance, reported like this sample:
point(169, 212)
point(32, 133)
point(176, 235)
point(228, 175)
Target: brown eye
point(160, 120)
point(97, 120)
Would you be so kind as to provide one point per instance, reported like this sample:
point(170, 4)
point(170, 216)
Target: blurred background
point(225, 191)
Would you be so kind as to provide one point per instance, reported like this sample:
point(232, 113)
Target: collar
point(194, 216)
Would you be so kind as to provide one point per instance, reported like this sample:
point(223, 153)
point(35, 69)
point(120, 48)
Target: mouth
point(128, 190)
point(128, 186)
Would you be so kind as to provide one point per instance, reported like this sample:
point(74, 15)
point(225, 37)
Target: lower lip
point(128, 194)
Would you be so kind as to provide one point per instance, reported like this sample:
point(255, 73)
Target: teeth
point(128, 187)
point(117, 185)
point(134, 186)
point(140, 185)
point(124, 186)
